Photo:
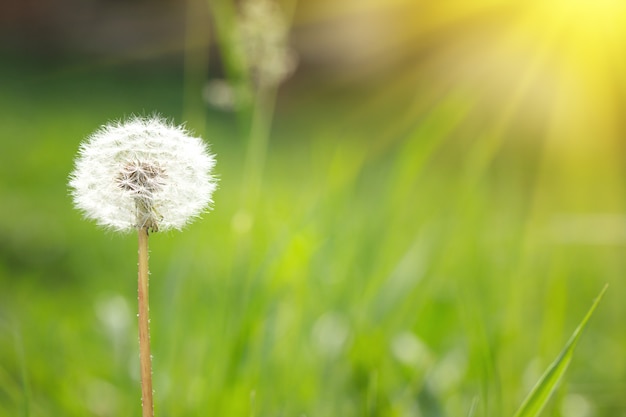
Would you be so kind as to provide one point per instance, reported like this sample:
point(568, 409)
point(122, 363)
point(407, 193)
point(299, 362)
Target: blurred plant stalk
point(254, 43)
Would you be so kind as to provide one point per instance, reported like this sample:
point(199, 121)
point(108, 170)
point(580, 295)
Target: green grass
point(398, 264)
point(549, 381)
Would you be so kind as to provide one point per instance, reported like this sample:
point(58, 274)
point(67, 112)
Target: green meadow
point(399, 250)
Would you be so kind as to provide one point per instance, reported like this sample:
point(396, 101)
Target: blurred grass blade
point(21, 357)
point(540, 394)
point(473, 407)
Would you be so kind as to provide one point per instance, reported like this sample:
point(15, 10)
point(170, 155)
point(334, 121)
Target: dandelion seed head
point(143, 172)
point(264, 39)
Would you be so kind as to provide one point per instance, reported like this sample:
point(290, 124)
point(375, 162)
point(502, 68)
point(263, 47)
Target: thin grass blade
point(542, 391)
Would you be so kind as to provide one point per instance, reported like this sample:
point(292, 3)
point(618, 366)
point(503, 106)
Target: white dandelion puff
point(264, 40)
point(143, 173)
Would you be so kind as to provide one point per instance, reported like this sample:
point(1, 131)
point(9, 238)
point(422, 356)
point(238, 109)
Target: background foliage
point(435, 214)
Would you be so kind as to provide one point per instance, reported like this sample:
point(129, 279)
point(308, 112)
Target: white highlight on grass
point(114, 313)
point(101, 398)
point(576, 405)
point(407, 348)
point(242, 222)
point(532, 373)
point(589, 229)
point(449, 371)
point(330, 333)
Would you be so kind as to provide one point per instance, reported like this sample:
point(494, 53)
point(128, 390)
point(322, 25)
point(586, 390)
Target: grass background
point(406, 257)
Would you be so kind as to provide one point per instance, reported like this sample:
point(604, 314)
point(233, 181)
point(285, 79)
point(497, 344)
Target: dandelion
point(146, 175)
point(142, 173)
point(264, 40)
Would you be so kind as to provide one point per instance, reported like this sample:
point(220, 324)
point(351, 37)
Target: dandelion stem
point(144, 326)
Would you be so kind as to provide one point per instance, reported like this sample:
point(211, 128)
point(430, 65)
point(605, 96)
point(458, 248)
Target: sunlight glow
point(556, 65)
